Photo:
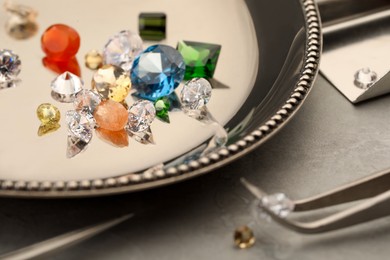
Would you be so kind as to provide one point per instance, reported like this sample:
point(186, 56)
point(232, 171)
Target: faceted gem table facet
point(200, 58)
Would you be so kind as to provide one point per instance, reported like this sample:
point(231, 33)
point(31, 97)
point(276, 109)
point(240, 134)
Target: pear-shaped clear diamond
point(196, 93)
point(122, 48)
point(86, 100)
point(75, 146)
point(66, 86)
point(141, 115)
point(80, 124)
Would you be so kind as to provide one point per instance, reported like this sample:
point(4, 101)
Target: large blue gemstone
point(157, 71)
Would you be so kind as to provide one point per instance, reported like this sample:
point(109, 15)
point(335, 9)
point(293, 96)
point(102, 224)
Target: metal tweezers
point(375, 189)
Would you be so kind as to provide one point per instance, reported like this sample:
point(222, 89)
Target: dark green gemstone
point(152, 26)
point(162, 106)
point(200, 58)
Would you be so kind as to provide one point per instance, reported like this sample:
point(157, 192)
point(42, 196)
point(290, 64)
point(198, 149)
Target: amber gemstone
point(244, 237)
point(116, 138)
point(111, 115)
point(60, 42)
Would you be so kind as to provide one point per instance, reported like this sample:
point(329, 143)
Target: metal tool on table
point(356, 49)
point(374, 189)
point(62, 241)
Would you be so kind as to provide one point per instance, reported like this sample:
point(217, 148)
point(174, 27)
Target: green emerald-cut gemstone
point(162, 106)
point(152, 26)
point(200, 58)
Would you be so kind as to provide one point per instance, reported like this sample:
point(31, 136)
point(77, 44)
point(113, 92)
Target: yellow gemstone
point(93, 60)
point(244, 237)
point(48, 128)
point(47, 113)
point(112, 82)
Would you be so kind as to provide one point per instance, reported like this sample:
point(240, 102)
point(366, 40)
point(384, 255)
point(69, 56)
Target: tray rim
point(146, 180)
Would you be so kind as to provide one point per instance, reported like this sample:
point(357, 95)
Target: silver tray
point(269, 59)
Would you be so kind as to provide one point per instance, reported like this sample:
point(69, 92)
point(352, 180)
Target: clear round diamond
point(196, 93)
point(157, 72)
point(80, 124)
point(10, 65)
point(365, 78)
point(66, 86)
point(278, 203)
point(86, 100)
point(122, 48)
point(141, 115)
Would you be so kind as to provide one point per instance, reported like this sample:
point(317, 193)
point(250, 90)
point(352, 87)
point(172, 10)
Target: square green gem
point(152, 26)
point(200, 58)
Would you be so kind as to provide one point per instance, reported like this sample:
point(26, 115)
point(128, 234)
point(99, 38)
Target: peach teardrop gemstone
point(111, 115)
point(116, 138)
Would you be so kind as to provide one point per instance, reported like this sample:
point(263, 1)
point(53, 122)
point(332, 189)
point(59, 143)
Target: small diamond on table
point(244, 237)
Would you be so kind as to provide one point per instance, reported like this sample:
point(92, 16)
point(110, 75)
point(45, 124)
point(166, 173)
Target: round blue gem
point(157, 71)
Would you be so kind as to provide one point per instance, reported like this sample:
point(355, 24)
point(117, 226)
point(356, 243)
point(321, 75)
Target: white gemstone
point(122, 49)
point(144, 137)
point(365, 78)
point(66, 86)
point(75, 146)
point(196, 94)
point(278, 203)
point(9, 66)
point(80, 124)
point(141, 115)
point(86, 100)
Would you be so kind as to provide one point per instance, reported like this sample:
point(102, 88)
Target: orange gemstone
point(71, 65)
point(111, 115)
point(116, 138)
point(60, 42)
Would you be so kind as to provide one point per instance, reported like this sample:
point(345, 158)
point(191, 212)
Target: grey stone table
point(328, 143)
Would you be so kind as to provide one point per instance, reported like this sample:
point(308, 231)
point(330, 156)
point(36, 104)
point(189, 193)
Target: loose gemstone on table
point(75, 146)
point(60, 66)
point(365, 78)
point(116, 138)
point(200, 58)
point(66, 86)
point(60, 42)
point(47, 113)
point(111, 115)
point(196, 93)
point(162, 106)
point(86, 100)
point(93, 60)
point(10, 65)
point(157, 72)
point(244, 237)
point(21, 23)
point(141, 115)
point(112, 82)
point(122, 48)
point(144, 137)
point(80, 125)
point(152, 26)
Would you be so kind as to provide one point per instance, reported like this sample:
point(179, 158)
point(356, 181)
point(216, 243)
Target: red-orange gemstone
point(116, 138)
point(111, 115)
point(60, 42)
point(59, 67)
